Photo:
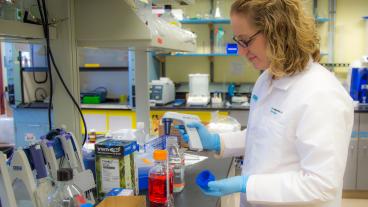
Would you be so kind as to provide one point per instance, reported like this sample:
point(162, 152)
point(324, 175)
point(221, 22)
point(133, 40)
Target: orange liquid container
point(157, 181)
point(157, 189)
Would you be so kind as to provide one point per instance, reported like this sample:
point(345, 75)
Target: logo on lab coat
point(275, 111)
point(254, 98)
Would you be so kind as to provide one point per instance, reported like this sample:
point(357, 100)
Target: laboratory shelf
point(205, 21)
point(322, 19)
point(35, 69)
point(200, 55)
point(18, 30)
point(103, 69)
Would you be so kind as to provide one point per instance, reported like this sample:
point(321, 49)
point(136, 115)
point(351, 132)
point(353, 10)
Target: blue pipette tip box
point(204, 178)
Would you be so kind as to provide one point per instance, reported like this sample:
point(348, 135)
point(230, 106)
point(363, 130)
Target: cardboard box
point(124, 201)
point(115, 166)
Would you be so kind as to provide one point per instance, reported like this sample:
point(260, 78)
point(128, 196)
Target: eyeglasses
point(245, 43)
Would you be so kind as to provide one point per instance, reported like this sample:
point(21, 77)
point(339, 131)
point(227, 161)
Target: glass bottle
point(159, 180)
point(66, 193)
point(92, 136)
point(176, 162)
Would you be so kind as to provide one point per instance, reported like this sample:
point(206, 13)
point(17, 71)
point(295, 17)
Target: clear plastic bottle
point(66, 193)
point(141, 136)
point(176, 162)
point(160, 179)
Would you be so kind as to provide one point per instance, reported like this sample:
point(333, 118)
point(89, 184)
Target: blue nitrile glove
point(227, 186)
point(210, 141)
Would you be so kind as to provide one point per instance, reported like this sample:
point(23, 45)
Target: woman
point(296, 142)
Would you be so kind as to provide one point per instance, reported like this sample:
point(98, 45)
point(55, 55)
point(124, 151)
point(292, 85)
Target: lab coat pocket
point(269, 140)
point(272, 127)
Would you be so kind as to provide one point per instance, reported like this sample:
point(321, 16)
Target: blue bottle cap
point(204, 178)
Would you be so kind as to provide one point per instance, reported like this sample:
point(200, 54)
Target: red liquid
point(157, 189)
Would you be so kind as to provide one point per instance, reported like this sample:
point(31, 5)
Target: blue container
point(143, 173)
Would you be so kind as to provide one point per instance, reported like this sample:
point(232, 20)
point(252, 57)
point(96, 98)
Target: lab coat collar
point(284, 83)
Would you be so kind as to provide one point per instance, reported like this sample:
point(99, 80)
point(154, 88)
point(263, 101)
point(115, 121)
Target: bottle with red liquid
point(160, 179)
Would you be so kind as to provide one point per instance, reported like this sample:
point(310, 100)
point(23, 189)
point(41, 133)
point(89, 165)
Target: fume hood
point(120, 23)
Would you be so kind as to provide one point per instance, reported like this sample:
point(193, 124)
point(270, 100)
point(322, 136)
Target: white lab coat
point(296, 143)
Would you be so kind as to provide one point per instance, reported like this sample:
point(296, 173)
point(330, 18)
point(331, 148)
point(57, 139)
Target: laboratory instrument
point(21, 172)
point(357, 81)
point(160, 184)
point(7, 197)
point(24, 163)
point(199, 94)
point(66, 193)
point(60, 150)
point(162, 91)
point(194, 139)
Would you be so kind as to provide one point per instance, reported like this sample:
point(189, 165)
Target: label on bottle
point(110, 176)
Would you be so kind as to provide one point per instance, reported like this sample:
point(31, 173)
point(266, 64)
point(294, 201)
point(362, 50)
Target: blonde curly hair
point(291, 34)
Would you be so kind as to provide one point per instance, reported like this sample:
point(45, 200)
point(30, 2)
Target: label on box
point(110, 174)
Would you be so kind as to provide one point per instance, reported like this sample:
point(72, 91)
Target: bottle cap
point(204, 178)
point(65, 174)
point(160, 155)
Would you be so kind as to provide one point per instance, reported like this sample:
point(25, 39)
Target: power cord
point(50, 58)
point(39, 81)
point(46, 33)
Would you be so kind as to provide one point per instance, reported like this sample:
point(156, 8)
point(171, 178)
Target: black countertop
point(361, 108)
point(358, 109)
point(208, 107)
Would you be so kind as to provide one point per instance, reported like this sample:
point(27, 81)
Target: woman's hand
point(210, 141)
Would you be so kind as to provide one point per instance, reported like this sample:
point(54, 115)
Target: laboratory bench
point(361, 108)
point(192, 195)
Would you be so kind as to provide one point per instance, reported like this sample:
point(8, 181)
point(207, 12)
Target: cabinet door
point(350, 177)
point(362, 175)
point(362, 178)
point(351, 166)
